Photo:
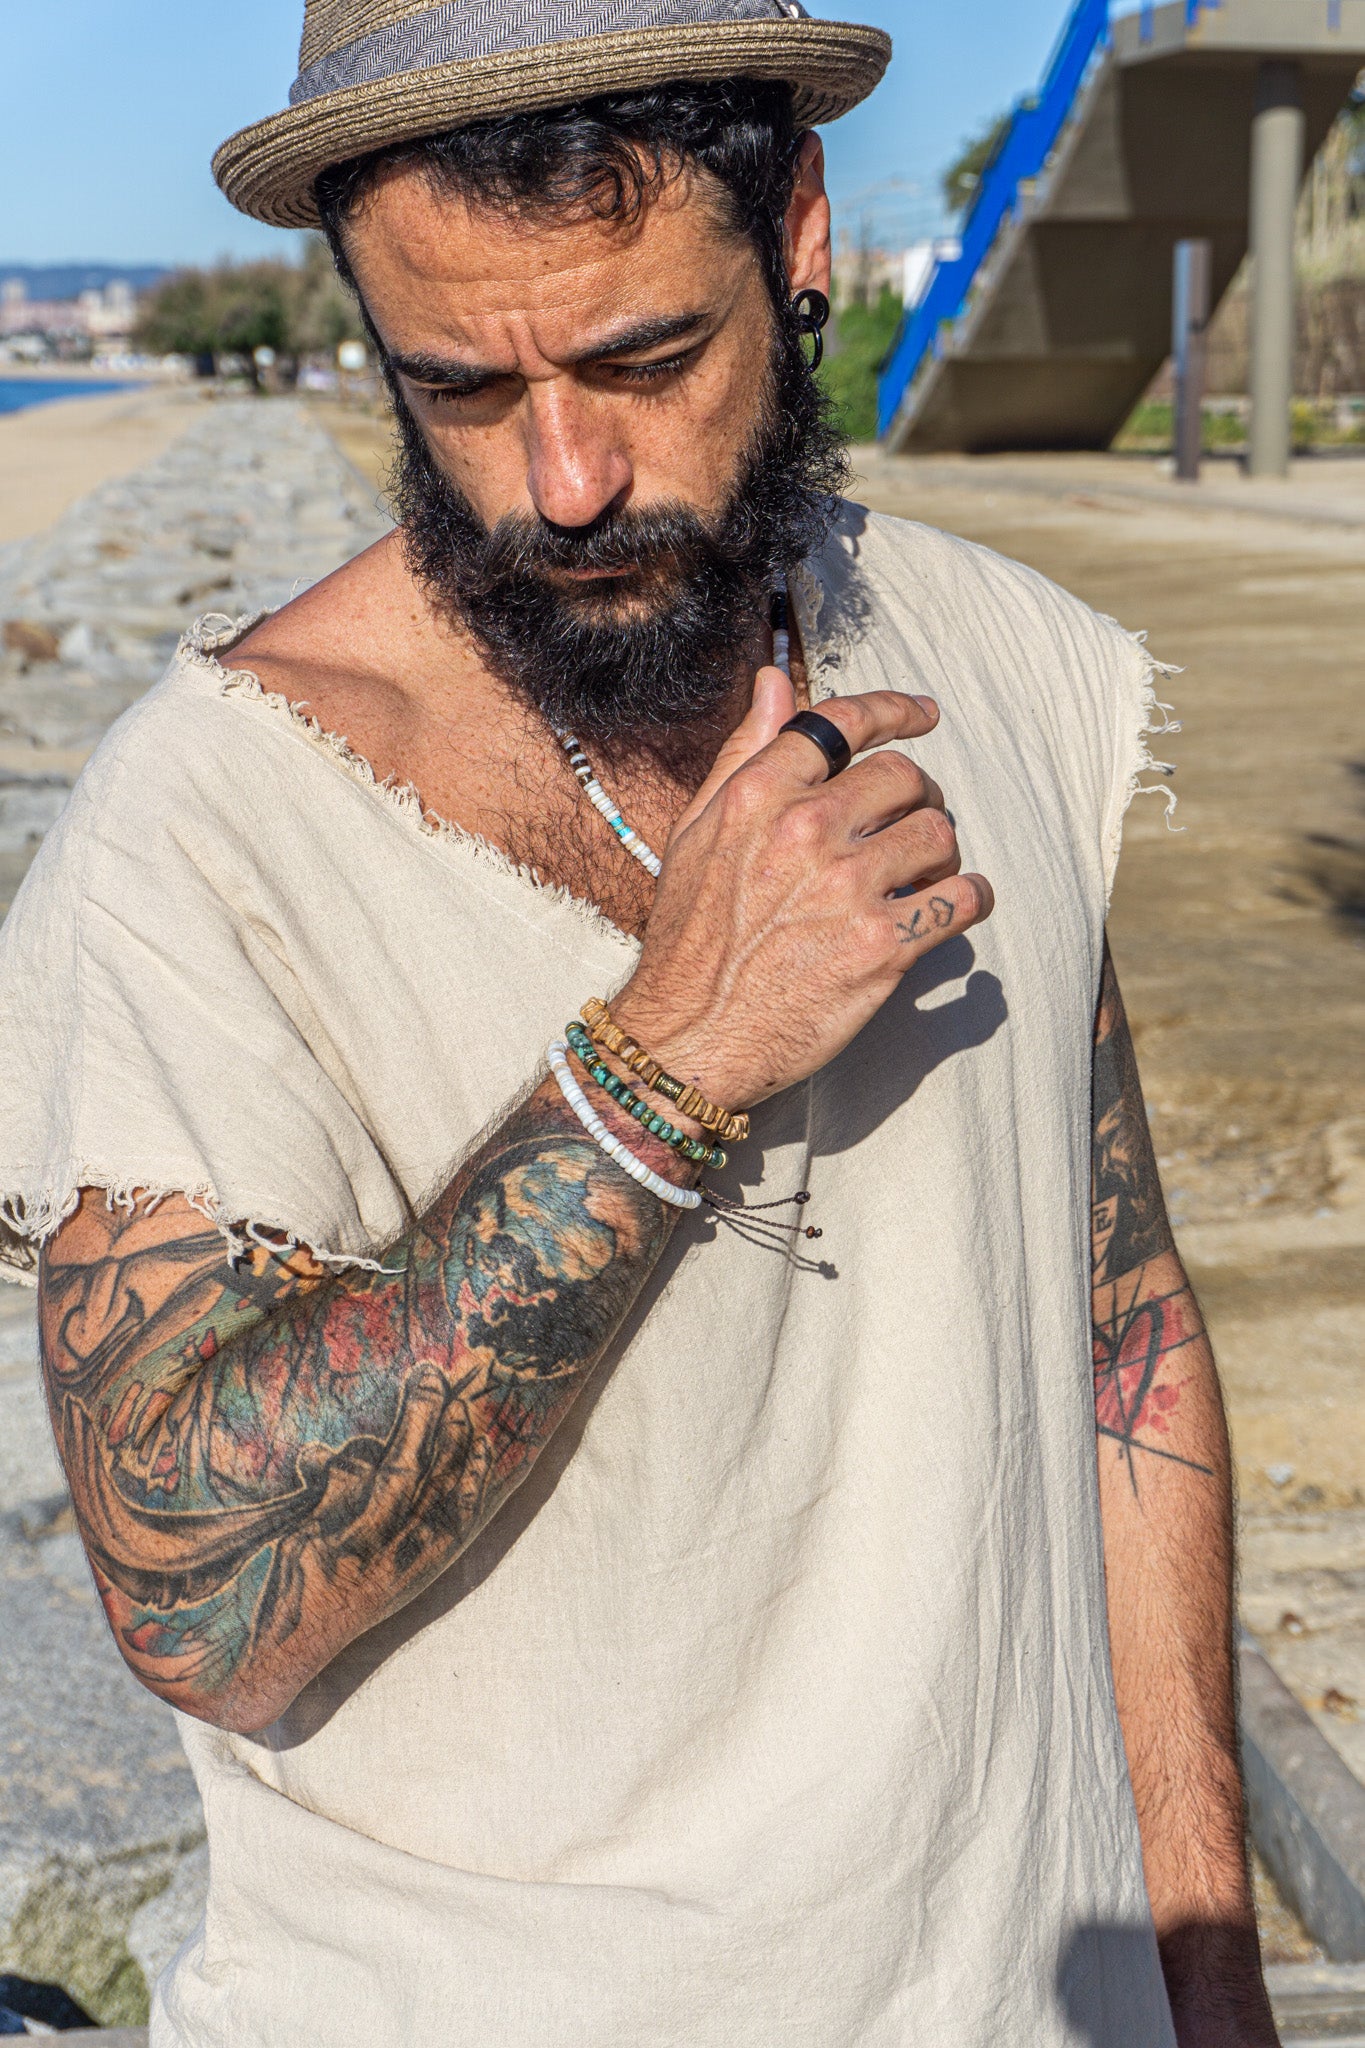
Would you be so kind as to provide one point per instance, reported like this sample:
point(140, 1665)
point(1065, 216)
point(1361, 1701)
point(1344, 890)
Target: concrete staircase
point(1058, 314)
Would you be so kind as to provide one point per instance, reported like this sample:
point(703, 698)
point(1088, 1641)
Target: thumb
point(774, 702)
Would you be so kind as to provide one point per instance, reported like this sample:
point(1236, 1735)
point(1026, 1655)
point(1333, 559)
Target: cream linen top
point(776, 1707)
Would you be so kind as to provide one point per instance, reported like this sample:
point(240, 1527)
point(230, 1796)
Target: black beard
point(626, 658)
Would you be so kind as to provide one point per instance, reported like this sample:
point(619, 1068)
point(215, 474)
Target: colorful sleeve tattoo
point(266, 1458)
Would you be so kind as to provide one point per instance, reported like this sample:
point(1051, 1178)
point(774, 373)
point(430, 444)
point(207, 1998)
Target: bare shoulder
point(358, 649)
point(350, 624)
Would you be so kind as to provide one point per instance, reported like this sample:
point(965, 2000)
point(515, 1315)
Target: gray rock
point(160, 1927)
point(102, 1866)
point(29, 1471)
point(27, 808)
point(251, 505)
point(99, 1807)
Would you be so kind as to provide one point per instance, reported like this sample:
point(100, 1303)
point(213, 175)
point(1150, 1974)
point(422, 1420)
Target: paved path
point(1326, 490)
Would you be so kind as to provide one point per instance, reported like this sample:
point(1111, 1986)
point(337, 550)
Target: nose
point(576, 467)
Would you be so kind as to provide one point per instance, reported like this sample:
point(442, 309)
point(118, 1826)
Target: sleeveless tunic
point(775, 1708)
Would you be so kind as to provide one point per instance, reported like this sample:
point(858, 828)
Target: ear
point(806, 228)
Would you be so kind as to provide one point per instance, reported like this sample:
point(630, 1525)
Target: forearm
point(266, 1459)
point(1166, 1502)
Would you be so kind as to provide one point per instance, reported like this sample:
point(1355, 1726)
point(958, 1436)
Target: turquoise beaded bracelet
point(598, 1070)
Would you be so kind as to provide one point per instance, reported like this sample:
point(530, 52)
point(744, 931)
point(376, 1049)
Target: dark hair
point(605, 158)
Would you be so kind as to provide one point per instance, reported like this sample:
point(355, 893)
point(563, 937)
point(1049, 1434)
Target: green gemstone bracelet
point(601, 1073)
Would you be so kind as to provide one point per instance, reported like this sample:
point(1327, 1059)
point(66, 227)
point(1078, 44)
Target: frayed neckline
point(401, 798)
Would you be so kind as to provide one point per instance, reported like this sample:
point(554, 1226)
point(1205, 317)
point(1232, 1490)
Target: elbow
point(239, 1708)
point(237, 1711)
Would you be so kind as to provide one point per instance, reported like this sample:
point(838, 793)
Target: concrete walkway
point(1321, 490)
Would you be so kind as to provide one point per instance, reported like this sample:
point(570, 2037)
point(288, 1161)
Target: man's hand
point(790, 905)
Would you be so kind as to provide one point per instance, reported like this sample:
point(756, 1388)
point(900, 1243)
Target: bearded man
point(599, 1612)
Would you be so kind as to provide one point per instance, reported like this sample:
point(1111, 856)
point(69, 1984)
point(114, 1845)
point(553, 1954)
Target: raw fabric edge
point(400, 797)
point(28, 1222)
point(1151, 716)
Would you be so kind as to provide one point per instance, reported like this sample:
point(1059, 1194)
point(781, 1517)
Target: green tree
point(294, 308)
point(863, 336)
point(964, 174)
point(324, 312)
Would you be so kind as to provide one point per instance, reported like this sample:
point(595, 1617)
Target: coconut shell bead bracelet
point(598, 1071)
point(730, 1125)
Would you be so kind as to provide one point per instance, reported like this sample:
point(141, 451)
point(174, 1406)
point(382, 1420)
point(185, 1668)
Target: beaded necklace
point(582, 767)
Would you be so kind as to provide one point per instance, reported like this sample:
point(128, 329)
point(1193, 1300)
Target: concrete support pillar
point(1189, 351)
point(1277, 143)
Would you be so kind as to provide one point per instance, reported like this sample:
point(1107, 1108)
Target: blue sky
point(111, 109)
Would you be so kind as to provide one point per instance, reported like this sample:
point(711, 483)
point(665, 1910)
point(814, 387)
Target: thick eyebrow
point(449, 372)
point(644, 334)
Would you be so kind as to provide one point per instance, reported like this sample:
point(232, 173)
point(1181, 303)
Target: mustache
point(670, 536)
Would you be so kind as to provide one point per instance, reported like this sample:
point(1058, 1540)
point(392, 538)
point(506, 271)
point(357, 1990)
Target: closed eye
point(454, 390)
point(449, 394)
point(649, 373)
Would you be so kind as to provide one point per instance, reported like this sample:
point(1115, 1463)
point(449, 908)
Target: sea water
point(18, 392)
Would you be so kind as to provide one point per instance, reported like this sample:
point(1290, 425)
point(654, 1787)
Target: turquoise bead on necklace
point(592, 788)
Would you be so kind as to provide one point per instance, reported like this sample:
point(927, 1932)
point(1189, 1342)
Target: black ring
point(827, 738)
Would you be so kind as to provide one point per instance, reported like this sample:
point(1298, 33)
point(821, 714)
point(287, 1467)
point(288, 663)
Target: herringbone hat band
point(464, 30)
point(377, 72)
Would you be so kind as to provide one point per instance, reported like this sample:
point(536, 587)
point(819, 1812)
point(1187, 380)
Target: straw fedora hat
point(375, 72)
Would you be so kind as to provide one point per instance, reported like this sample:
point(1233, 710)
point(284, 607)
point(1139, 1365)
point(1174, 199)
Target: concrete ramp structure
point(1051, 324)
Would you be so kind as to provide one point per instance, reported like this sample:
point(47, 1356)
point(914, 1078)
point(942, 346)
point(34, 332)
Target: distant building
point(101, 314)
point(862, 271)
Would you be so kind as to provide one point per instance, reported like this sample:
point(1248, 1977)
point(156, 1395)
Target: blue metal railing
point(1031, 136)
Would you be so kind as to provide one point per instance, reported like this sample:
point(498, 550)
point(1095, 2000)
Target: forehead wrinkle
point(437, 271)
point(573, 328)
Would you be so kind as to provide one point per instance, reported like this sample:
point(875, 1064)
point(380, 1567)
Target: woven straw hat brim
point(268, 169)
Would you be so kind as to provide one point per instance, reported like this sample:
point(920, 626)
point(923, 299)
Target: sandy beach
point(52, 454)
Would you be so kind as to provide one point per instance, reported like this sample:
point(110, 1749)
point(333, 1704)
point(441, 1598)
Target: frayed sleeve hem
point(30, 1218)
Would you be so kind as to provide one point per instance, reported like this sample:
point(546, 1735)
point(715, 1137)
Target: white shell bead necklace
point(592, 788)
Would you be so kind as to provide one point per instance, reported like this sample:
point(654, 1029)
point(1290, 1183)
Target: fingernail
point(926, 704)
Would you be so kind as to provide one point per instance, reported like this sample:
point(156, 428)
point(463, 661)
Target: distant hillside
point(67, 280)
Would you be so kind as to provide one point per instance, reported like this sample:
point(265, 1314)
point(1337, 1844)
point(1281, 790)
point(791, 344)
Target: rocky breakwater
point(102, 1868)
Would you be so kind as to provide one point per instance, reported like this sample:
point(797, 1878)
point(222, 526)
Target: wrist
point(1213, 1979)
point(688, 1049)
point(629, 1128)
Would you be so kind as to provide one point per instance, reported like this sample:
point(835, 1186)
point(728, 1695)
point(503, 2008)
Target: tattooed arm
point(265, 1459)
point(1166, 1501)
